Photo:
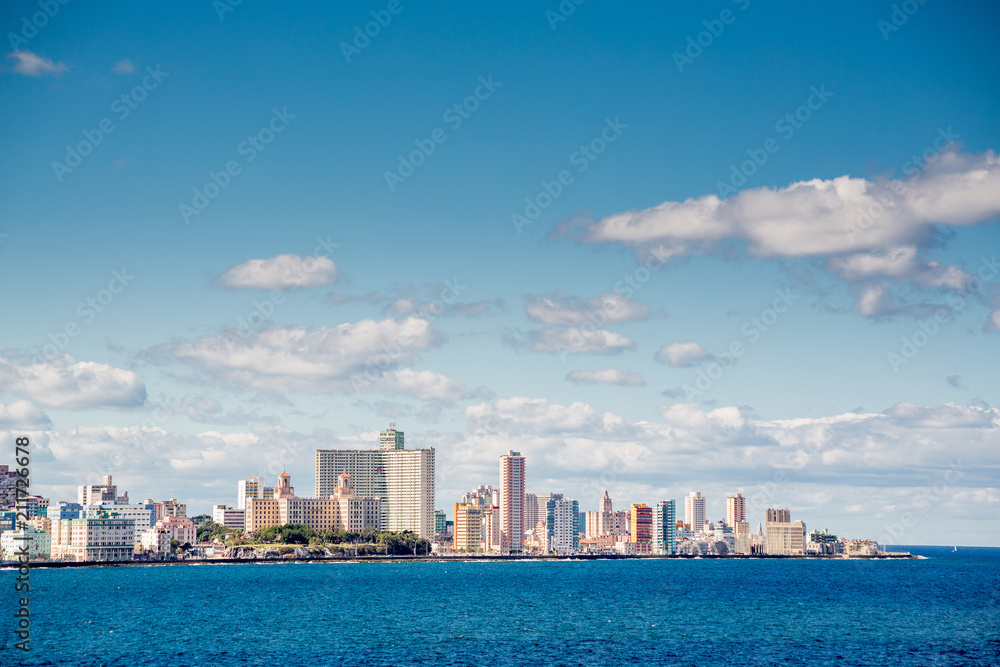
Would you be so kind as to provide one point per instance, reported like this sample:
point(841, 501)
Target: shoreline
point(13, 565)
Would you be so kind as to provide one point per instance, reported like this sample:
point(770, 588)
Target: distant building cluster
point(392, 488)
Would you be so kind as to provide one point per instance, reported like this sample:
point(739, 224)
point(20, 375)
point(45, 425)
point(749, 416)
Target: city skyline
point(654, 250)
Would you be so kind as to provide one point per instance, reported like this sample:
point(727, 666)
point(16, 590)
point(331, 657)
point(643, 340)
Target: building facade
point(782, 536)
point(736, 510)
point(694, 511)
point(31, 542)
point(665, 527)
point(641, 527)
point(561, 523)
point(468, 535)
point(229, 517)
point(512, 503)
point(101, 538)
point(343, 508)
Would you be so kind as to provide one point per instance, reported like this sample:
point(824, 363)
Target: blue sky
point(163, 389)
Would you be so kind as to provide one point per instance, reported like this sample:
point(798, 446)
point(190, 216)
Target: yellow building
point(340, 510)
point(468, 528)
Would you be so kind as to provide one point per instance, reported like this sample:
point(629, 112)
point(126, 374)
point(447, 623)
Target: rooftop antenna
point(392, 426)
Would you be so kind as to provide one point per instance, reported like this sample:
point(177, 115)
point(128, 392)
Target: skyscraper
point(512, 503)
point(736, 510)
point(694, 511)
point(664, 528)
point(641, 527)
point(561, 522)
point(402, 478)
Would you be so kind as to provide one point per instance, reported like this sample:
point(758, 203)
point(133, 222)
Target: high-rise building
point(512, 503)
point(694, 511)
point(778, 516)
point(641, 527)
point(736, 510)
point(403, 479)
point(468, 535)
point(390, 439)
point(783, 537)
point(665, 528)
point(106, 491)
point(535, 509)
point(561, 522)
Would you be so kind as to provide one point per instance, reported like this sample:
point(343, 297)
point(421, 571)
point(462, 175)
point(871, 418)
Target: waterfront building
point(512, 503)
point(98, 538)
point(156, 542)
point(561, 523)
point(35, 543)
point(252, 487)
point(140, 515)
point(641, 527)
point(694, 511)
point(343, 508)
point(736, 510)
point(782, 537)
point(468, 535)
point(229, 517)
point(665, 527)
point(824, 544)
point(403, 479)
point(106, 491)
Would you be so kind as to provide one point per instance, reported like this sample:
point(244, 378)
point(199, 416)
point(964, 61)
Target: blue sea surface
point(943, 610)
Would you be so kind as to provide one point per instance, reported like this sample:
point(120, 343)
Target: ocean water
point(944, 610)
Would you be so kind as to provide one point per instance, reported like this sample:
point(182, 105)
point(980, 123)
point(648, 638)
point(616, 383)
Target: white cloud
point(61, 383)
point(123, 66)
point(819, 217)
point(681, 355)
point(32, 65)
point(365, 356)
point(23, 416)
point(574, 341)
point(282, 272)
point(558, 310)
point(607, 376)
point(900, 264)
